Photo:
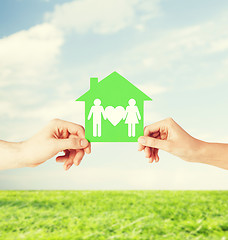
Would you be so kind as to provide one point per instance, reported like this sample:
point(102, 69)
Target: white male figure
point(97, 111)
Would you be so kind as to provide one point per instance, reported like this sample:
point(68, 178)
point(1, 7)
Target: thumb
point(72, 143)
point(154, 143)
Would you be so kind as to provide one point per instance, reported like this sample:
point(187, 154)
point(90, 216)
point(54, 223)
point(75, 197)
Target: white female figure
point(132, 117)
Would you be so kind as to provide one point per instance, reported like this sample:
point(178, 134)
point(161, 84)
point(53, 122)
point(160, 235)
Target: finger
point(151, 159)
point(155, 134)
point(61, 159)
point(147, 133)
point(88, 149)
point(78, 130)
point(72, 128)
point(68, 166)
point(155, 143)
point(156, 155)
point(153, 128)
point(71, 143)
point(64, 134)
point(69, 162)
point(147, 152)
point(78, 157)
point(153, 153)
point(64, 157)
point(141, 147)
point(156, 127)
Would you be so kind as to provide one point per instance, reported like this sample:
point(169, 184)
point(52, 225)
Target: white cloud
point(184, 56)
point(219, 45)
point(102, 16)
point(64, 109)
point(151, 89)
point(6, 109)
point(152, 116)
point(180, 53)
point(29, 54)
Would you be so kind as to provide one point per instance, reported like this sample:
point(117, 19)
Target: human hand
point(169, 136)
point(56, 137)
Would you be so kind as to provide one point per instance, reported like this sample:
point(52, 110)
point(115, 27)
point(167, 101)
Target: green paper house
point(114, 110)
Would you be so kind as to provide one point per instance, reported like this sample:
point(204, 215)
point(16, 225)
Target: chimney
point(93, 82)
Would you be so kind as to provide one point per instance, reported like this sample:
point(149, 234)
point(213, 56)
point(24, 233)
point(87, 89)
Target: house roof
point(115, 82)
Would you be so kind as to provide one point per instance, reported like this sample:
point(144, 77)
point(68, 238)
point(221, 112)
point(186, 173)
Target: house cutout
point(114, 110)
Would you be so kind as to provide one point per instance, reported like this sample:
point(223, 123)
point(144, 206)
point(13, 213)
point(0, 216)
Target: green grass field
point(113, 215)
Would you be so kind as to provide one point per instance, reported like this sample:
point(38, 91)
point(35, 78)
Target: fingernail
point(68, 166)
point(77, 162)
point(142, 140)
point(87, 150)
point(84, 143)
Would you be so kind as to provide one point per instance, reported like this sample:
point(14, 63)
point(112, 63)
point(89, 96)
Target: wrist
point(25, 150)
point(22, 150)
point(196, 150)
point(12, 155)
point(18, 153)
point(214, 154)
point(199, 151)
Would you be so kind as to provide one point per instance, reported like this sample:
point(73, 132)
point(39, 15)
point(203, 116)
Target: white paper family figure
point(131, 116)
point(97, 111)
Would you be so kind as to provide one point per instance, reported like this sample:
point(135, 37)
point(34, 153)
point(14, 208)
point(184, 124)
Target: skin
point(69, 137)
point(56, 137)
point(170, 137)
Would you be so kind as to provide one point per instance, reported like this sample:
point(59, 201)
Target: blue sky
point(176, 51)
